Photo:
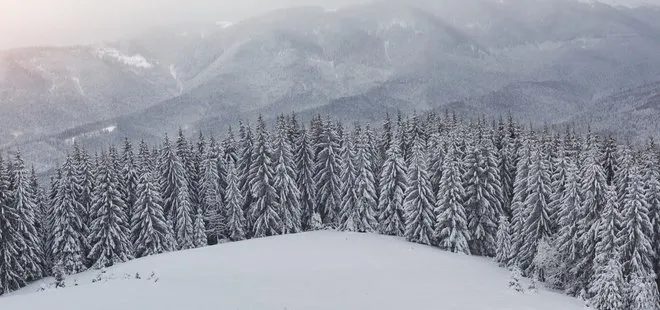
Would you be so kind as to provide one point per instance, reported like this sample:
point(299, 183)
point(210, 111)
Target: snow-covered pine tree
point(419, 201)
point(263, 211)
point(503, 250)
point(607, 285)
point(176, 200)
point(12, 241)
point(558, 186)
point(287, 202)
point(230, 152)
point(643, 292)
point(31, 252)
point(211, 204)
point(84, 185)
point(304, 161)
point(149, 226)
point(609, 160)
point(451, 229)
point(636, 231)
point(235, 219)
point(68, 242)
point(518, 208)
point(130, 177)
point(109, 235)
point(393, 186)
point(42, 221)
point(367, 199)
point(243, 172)
point(199, 230)
point(538, 223)
point(185, 152)
point(483, 197)
point(651, 181)
point(327, 171)
point(567, 220)
point(349, 217)
point(593, 198)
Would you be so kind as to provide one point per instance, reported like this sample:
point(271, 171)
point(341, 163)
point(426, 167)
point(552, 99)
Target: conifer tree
point(243, 171)
point(636, 230)
point(109, 232)
point(451, 229)
point(149, 226)
point(393, 186)
point(12, 242)
point(366, 205)
point(234, 217)
point(68, 243)
point(349, 218)
point(287, 201)
point(304, 161)
point(567, 219)
point(328, 171)
point(538, 223)
point(211, 204)
point(199, 231)
point(503, 250)
point(176, 200)
point(419, 202)
point(130, 177)
point(267, 220)
point(31, 256)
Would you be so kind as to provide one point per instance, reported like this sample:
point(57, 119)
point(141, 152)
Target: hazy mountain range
point(549, 62)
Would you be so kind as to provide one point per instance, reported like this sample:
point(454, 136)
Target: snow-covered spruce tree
point(610, 160)
point(393, 186)
point(651, 181)
point(547, 264)
point(31, 252)
point(243, 171)
point(367, 200)
point(451, 229)
point(68, 243)
point(199, 230)
point(12, 241)
point(42, 221)
point(503, 250)
point(235, 219)
point(483, 198)
point(507, 170)
point(211, 205)
point(622, 173)
point(264, 212)
point(558, 186)
point(84, 184)
point(130, 177)
point(437, 149)
point(518, 208)
point(149, 226)
point(567, 220)
point(109, 232)
point(304, 161)
point(176, 200)
point(287, 201)
point(327, 172)
point(349, 217)
point(593, 187)
point(636, 231)
point(229, 148)
point(185, 152)
point(607, 285)
point(419, 202)
point(537, 224)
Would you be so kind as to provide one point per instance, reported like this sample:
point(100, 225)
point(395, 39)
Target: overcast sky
point(65, 22)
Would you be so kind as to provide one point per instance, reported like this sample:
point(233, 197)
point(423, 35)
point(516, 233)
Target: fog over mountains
point(549, 62)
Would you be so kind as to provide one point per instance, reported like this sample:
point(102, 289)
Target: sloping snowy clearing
point(318, 270)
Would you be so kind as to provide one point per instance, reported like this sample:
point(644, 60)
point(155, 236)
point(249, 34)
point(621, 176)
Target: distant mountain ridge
point(561, 62)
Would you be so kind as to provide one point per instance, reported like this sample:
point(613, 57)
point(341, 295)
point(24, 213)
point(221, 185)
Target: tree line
point(577, 211)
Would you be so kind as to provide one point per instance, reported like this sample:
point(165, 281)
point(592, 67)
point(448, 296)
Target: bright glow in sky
point(65, 22)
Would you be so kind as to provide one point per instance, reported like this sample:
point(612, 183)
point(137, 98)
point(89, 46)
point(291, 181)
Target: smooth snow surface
point(319, 270)
point(136, 60)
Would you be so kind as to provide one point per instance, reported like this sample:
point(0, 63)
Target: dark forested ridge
point(578, 212)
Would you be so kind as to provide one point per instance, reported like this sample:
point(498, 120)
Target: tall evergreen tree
point(451, 230)
point(304, 161)
point(503, 250)
point(267, 219)
point(419, 202)
point(176, 200)
point(152, 235)
point(287, 201)
point(367, 200)
point(349, 218)
point(12, 242)
point(393, 187)
point(109, 232)
point(235, 218)
point(328, 171)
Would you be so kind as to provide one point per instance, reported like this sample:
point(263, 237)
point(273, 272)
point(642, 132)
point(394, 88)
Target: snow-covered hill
point(318, 270)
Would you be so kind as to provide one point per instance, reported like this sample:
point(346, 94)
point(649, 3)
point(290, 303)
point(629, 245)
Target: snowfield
point(316, 270)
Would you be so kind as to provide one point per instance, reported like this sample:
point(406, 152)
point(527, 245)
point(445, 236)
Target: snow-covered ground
point(318, 270)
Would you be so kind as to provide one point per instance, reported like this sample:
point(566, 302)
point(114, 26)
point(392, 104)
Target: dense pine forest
point(580, 213)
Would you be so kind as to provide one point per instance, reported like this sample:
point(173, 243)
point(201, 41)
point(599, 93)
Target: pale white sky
point(65, 22)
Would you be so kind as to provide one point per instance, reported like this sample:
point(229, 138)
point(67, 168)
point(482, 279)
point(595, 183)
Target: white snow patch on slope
point(76, 82)
point(175, 76)
point(311, 271)
point(396, 23)
point(136, 60)
point(224, 24)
